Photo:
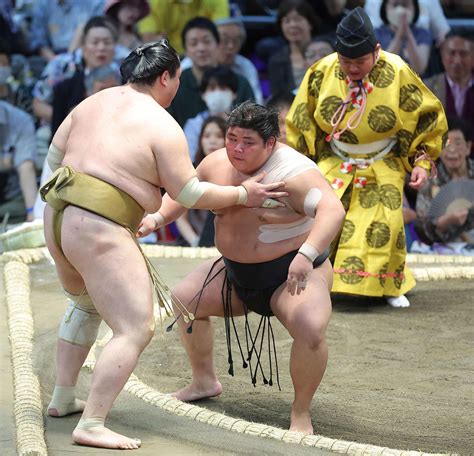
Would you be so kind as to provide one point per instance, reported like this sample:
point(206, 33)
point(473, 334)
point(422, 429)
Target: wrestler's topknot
point(250, 115)
point(149, 61)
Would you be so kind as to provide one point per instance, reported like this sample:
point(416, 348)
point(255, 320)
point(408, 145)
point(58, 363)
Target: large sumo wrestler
point(111, 156)
point(274, 262)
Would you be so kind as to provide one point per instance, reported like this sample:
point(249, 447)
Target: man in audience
point(201, 41)
point(18, 186)
point(455, 87)
point(55, 22)
point(232, 35)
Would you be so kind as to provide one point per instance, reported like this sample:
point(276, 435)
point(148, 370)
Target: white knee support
point(81, 321)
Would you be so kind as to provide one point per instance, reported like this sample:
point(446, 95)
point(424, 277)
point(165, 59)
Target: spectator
point(320, 46)
point(431, 17)
point(9, 30)
point(201, 40)
point(169, 18)
point(125, 15)
point(18, 187)
point(70, 92)
point(282, 103)
point(455, 87)
point(218, 90)
point(98, 47)
point(193, 222)
point(298, 22)
point(401, 36)
point(232, 35)
point(55, 22)
point(16, 82)
point(454, 164)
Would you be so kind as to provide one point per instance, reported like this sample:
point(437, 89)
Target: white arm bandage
point(159, 220)
point(309, 252)
point(194, 189)
point(311, 201)
point(55, 157)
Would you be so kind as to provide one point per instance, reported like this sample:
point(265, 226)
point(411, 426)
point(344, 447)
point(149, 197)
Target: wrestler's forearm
point(218, 197)
point(170, 210)
point(327, 223)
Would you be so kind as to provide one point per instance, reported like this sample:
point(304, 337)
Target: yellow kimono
point(370, 252)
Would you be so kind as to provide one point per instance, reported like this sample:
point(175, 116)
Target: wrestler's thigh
point(114, 272)
point(308, 312)
point(68, 275)
point(210, 302)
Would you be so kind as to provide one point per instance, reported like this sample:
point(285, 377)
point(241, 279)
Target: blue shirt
point(17, 144)
point(54, 23)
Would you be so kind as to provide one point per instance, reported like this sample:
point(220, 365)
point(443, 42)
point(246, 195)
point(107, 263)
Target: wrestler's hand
point(418, 178)
point(298, 274)
point(263, 195)
point(147, 225)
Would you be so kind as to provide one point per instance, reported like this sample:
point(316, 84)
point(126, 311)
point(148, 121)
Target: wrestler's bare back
point(119, 135)
point(237, 227)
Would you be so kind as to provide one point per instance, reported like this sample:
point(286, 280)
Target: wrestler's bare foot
point(301, 421)
point(64, 409)
point(102, 437)
point(198, 390)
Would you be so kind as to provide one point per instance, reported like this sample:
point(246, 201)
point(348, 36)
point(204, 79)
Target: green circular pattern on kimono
point(426, 123)
point(349, 137)
point(338, 73)
point(377, 234)
point(405, 138)
point(369, 195)
point(401, 239)
point(324, 154)
point(382, 119)
point(348, 230)
point(381, 273)
point(329, 106)
point(390, 196)
point(301, 145)
point(355, 264)
point(382, 74)
point(392, 163)
point(411, 98)
point(314, 83)
point(300, 118)
point(397, 280)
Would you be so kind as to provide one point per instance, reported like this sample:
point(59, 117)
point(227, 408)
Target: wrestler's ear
point(270, 142)
point(165, 78)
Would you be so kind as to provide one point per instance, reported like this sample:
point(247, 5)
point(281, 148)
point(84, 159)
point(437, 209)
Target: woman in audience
point(401, 36)
point(195, 224)
point(456, 225)
point(320, 46)
point(298, 22)
point(125, 15)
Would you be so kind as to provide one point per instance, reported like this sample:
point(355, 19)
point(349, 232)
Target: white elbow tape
point(309, 252)
point(55, 157)
point(191, 192)
point(243, 195)
point(313, 197)
point(81, 321)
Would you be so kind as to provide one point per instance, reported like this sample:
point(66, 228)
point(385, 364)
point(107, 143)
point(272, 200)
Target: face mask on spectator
point(218, 101)
point(5, 73)
point(394, 15)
